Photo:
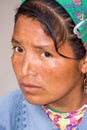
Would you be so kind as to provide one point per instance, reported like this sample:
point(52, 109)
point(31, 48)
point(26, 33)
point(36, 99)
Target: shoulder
point(11, 98)
point(8, 107)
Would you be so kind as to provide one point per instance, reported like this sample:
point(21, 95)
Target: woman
point(50, 63)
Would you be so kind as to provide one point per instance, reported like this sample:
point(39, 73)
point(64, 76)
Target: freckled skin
point(59, 79)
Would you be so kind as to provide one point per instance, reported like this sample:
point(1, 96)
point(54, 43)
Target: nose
point(29, 66)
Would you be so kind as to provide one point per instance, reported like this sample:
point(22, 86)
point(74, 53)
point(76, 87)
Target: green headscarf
point(77, 9)
point(23, 1)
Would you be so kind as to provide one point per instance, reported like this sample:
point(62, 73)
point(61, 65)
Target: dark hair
point(55, 22)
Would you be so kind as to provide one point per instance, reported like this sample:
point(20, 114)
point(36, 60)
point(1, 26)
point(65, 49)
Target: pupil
point(20, 49)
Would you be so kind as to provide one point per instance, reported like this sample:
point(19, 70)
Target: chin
point(34, 100)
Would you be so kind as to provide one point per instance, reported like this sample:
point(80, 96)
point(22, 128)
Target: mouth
point(30, 88)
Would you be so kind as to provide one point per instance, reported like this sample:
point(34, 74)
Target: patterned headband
point(77, 9)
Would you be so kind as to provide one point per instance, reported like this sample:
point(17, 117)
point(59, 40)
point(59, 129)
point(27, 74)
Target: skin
point(44, 76)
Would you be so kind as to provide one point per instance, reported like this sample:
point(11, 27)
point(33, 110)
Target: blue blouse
point(17, 114)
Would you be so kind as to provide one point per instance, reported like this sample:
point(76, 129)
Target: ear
point(84, 65)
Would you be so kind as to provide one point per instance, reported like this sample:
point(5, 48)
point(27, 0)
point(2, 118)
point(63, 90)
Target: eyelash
point(46, 54)
point(15, 48)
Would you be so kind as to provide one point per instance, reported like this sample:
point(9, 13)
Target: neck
point(70, 103)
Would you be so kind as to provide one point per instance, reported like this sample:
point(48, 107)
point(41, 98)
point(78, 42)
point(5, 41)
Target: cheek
point(49, 72)
point(15, 64)
point(13, 61)
point(58, 73)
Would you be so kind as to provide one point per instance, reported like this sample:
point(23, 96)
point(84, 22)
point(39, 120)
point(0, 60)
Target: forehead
point(29, 24)
point(30, 30)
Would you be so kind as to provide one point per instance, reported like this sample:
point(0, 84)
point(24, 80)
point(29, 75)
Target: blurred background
point(8, 81)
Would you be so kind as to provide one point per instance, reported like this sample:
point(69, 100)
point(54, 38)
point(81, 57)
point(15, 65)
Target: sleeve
point(2, 128)
point(8, 109)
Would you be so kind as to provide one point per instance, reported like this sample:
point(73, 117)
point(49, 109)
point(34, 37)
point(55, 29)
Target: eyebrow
point(15, 41)
point(35, 46)
point(41, 46)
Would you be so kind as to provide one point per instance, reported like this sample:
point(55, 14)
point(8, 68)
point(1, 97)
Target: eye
point(46, 54)
point(18, 49)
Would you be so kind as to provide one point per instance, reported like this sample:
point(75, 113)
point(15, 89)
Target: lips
point(30, 88)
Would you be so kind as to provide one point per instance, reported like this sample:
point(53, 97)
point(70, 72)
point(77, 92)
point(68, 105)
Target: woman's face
point(44, 76)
